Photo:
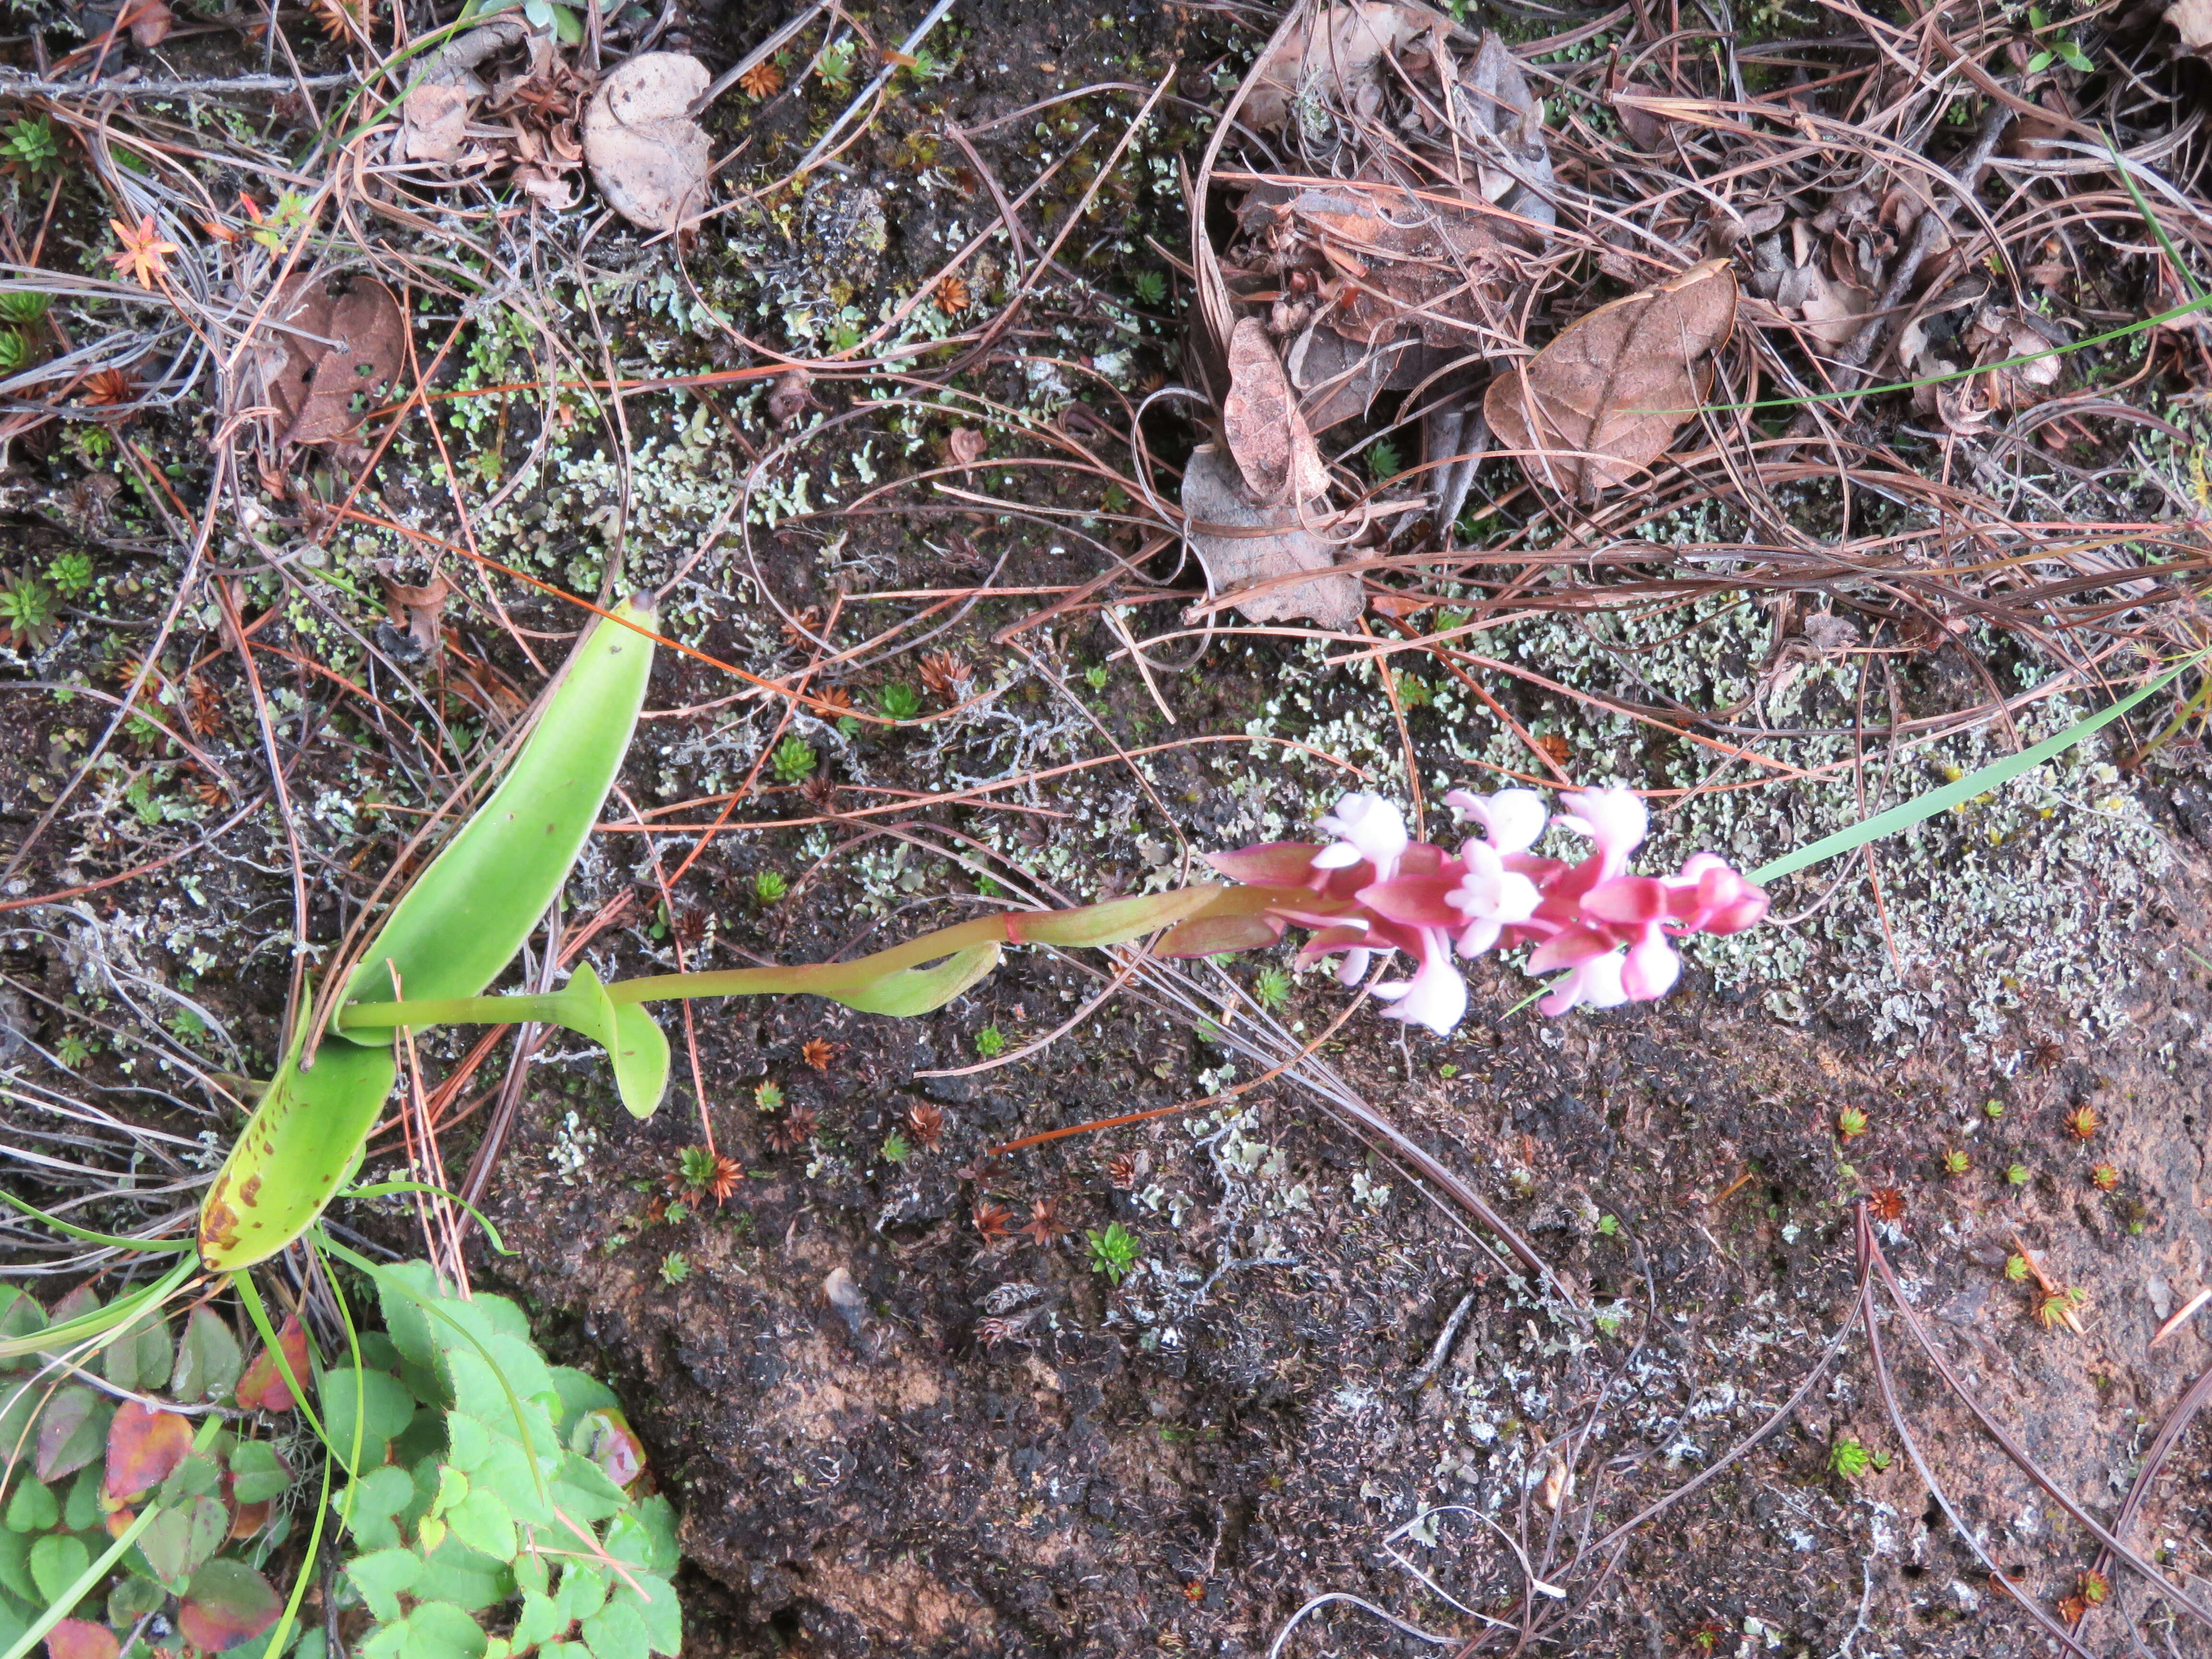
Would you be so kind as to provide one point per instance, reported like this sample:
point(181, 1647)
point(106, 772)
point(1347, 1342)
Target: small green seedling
point(1850, 1459)
point(1113, 1251)
point(1095, 676)
point(768, 1096)
point(1956, 1163)
point(29, 143)
point(70, 573)
point(990, 1042)
point(793, 760)
point(1272, 987)
point(675, 1268)
point(1850, 1124)
point(1993, 1110)
point(2017, 1176)
point(769, 887)
point(1608, 1226)
point(896, 1148)
point(1150, 287)
point(1382, 461)
point(898, 700)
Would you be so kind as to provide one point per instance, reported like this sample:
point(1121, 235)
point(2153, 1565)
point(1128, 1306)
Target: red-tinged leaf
point(251, 1518)
point(80, 1638)
point(143, 1446)
point(1275, 863)
point(71, 1430)
point(1213, 936)
point(1415, 901)
point(604, 1436)
point(226, 1603)
point(263, 1387)
point(118, 1522)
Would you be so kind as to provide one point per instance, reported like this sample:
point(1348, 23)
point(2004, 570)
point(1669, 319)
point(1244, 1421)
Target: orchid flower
point(1608, 933)
point(1614, 818)
point(1368, 827)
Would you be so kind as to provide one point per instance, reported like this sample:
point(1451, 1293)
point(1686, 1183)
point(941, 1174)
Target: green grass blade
point(1974, 783)
point(114, 1241)
point(102, 1322)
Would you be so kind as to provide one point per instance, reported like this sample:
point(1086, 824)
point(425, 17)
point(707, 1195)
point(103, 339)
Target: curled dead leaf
point(415, 613)
point(647, 155)
point(1241, 546)
point(1343, 44)
point(324, 357)
point(1603, 401)
point(434, 117)
point(2192, 21)
point(967, 445)
point(1260, 417)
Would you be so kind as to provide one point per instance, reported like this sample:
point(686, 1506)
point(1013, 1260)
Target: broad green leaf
point(209, 1362)
point(645, 1535)
point(378, 1352)
point(72, 1430)
point(57, 1562)
point(453, 1572)
point(132, 1598)
point(640, 1058)
point(906, 992)
point(405, 1319)
point(436, 1630)
point(540, 1621)
point(582, 1492)
point(20, 1316)
point(140, 1359)
point(385, 1408)
point(81, 1511)
point(257, 1473)
point(382, 1576)
point(296, 1150)
point(583, 1591)
point(20, 1399)
point(465, 916)
point(32, 1506)
point(16, 1566)
point(579, 1392)
point(378, 1498)
point(660, 1617)
point(196, 1477)
point(616, 1630)
point(531, 1575)
point(455, 927)
point(482, 1522)
point(178, 1540)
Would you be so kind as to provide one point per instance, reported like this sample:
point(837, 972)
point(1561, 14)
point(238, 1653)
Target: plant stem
point(1117, 921)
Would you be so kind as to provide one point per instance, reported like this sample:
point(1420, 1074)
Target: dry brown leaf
point(2192, 21)
point(323, 351)
point(1342, 45)
point(1604, 400)
point(434, 117)
point(1214, 499)
point(435, 122)
point(149, 21)
point(415, 612)
point(788, 398)
point(1259, 418)
point(967, 445)
point(647, 155)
